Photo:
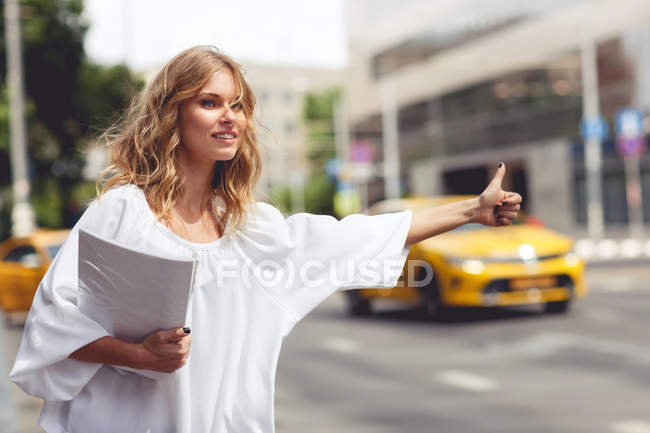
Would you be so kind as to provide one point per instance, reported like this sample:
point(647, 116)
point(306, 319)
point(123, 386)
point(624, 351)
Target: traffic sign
point(629, 123)
point(344, 186)
point(362, 151)
point(333, 168)
point(630, 147)
point(594, 128)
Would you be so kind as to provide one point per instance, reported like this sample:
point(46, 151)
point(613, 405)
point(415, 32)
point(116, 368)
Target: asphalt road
point(500, 371)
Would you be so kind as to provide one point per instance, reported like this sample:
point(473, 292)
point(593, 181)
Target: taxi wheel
point(557, 307)
point(431, 304)
point(357, 306)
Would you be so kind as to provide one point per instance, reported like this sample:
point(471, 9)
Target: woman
point(185, 162)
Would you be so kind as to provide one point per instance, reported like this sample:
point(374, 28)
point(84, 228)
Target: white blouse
point(251, 288)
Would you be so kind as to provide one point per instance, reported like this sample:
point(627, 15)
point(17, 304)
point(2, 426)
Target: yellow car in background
point(23, 263)
point(479, 266)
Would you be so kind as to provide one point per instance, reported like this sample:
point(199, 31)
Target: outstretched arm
point(494, 207)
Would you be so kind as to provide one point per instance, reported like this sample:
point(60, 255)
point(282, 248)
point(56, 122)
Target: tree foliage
point(318, 116)
point(69, 100)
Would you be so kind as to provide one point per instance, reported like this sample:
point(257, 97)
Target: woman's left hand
point(496, 206)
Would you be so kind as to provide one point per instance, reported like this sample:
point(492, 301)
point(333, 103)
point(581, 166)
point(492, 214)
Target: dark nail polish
point(187, 330)
point(496, 209)
point(505, 203)
point(500, 164)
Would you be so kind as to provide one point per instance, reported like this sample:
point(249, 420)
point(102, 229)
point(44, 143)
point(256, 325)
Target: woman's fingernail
point(496, 209)
point(505, 203)
point(187, 330)
point(500, 164)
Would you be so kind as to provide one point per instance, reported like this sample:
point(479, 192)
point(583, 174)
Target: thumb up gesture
point(498, 207)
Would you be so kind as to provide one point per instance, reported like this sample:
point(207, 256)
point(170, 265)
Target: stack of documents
point(132, 293)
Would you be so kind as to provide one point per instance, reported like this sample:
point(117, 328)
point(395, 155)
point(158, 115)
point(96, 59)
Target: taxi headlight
point(469, 266)
point(572, 259)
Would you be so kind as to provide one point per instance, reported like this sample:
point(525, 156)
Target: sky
point(147, 33)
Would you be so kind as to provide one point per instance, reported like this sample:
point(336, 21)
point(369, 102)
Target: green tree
point(318, 116)
point(53, 33)
point(103, 93)
point(69, 101)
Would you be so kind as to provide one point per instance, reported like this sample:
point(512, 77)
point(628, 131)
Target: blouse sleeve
point(304, 258)
point(55, 327)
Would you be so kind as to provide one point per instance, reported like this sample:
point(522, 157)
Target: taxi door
point(21, 270)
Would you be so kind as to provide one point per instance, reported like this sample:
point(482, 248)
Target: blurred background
point(361, 101)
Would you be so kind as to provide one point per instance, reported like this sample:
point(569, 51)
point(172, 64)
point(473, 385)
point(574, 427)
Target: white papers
point(132, 293)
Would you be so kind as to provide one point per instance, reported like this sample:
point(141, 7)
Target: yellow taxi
point(479, 266)
point(23, 263)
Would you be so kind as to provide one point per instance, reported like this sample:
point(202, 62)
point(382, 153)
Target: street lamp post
point(22, 215)
point(390, 138)
point(593, 157)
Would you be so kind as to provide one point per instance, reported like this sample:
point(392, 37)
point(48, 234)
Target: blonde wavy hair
point(143, 145)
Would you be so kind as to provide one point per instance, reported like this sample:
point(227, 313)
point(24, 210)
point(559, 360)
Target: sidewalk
point(18, 411)
point(7, 409)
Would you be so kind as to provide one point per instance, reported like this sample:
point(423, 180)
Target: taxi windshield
point(53, 249)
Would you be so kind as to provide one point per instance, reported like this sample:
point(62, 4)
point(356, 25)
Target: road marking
point(631, 426)
point(467, 381)
point(605, 316)
point(534, 346)
point(549, 343)
point(615, 285)
point(341, 345)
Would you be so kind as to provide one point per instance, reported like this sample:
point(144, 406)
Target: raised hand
point(498, 207)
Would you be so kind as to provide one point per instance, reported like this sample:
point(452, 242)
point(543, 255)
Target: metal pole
point(634, 197)
point(390, 138)
point(297, 190)
point(363, 195)
point(593, 157)
point(341, 130)
point(22, 215)
point(278, 157)
point(342, 141)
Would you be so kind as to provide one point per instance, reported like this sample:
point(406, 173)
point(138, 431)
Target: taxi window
point(53, 249)
point(25, 255)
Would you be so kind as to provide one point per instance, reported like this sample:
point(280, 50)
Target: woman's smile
point(226, 137)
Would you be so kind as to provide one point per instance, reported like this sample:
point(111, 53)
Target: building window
point(288, 97)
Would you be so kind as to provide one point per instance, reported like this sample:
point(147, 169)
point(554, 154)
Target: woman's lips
point(225, 137)
point(225, 140)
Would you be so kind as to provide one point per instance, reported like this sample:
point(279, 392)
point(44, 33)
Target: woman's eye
point(207, 103)
point(237, 106)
